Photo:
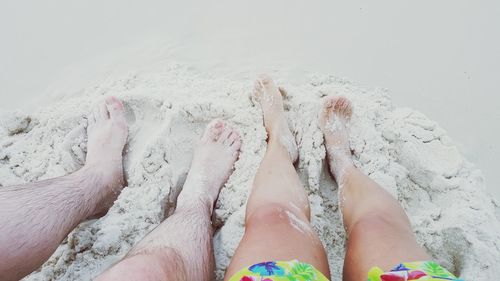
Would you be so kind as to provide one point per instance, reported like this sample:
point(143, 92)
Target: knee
point(378, 223)
point(275, 214)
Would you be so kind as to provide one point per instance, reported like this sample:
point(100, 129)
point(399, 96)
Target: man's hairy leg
point(36, 217)
point(180, 248)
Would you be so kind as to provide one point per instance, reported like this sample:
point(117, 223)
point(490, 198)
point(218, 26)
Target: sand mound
point(410, 155)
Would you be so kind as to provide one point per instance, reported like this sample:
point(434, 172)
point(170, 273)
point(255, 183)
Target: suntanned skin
point(180, 248)
point(36, 217)
point(277, 199)
point(379, 232)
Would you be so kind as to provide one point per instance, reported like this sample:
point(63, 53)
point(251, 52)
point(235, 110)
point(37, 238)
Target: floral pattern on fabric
point(279, 271)
point(427, 270)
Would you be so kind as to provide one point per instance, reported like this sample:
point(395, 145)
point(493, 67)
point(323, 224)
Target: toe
point(337, 102)
point(102, 111)
point(282, 91)
point(343, 106)
point(224, 137)
point(229, 139)
point(329, 103)
point(328, 106)
point(233, 137)
point(236, 145)
point(257, 86)
point(257, 89)
point(265, 79)
point(340, 104)
point(348, 108)
point(115, 108)
point(267, 83)
point(213, 130)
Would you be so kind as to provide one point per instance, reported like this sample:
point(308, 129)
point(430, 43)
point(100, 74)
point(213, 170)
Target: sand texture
point(408, 154)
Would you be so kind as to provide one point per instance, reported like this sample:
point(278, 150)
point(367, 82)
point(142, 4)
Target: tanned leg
point(36, 217)
point(379, 232)
point(180, 248)
point(277, 223)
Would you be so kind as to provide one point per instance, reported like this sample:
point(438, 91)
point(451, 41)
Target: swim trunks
point(279, 271)
point(424, 270)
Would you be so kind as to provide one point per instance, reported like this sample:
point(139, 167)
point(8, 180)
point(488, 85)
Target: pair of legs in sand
point(180, 248)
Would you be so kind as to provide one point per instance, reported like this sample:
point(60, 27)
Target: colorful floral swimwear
point(279, 271)
point(426, 270)
point(297, 271)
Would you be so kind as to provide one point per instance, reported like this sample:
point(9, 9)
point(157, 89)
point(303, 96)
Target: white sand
point(410, 155)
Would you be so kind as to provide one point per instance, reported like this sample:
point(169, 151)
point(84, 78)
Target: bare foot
point(333, 120)
point(271, 102)
point(107, 134)
point(212, 164)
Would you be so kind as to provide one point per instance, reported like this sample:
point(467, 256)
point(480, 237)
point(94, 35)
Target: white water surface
point(439, 57)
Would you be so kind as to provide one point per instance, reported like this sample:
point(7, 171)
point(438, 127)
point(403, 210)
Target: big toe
point(213, 130)
point(327, 109)
point(114, 107)
point(267, 82)
point(265, 78)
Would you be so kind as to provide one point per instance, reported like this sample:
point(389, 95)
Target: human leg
point(36, 217)
point(180, 248)
point(379, 231)
point(277, 225)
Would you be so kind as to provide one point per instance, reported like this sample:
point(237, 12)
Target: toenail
point(264, 79)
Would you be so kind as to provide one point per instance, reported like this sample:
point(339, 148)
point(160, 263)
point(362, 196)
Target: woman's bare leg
point(181, 247)
point(379, 232)
point(277, 216)
point(36, 217)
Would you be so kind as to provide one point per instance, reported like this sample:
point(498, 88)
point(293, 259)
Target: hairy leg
point(180, 248)
point(277, 223)
point(379, 232)
point(36, 217)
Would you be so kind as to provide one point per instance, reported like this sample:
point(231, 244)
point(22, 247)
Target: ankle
point(285, 141)
point(277, 127)
point(99, 189)
point(192, 200)
point(108, 162)
point(101, 180)
point(342, 171)
point(274, 139)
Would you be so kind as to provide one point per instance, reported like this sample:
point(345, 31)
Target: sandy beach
point(408, 154)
